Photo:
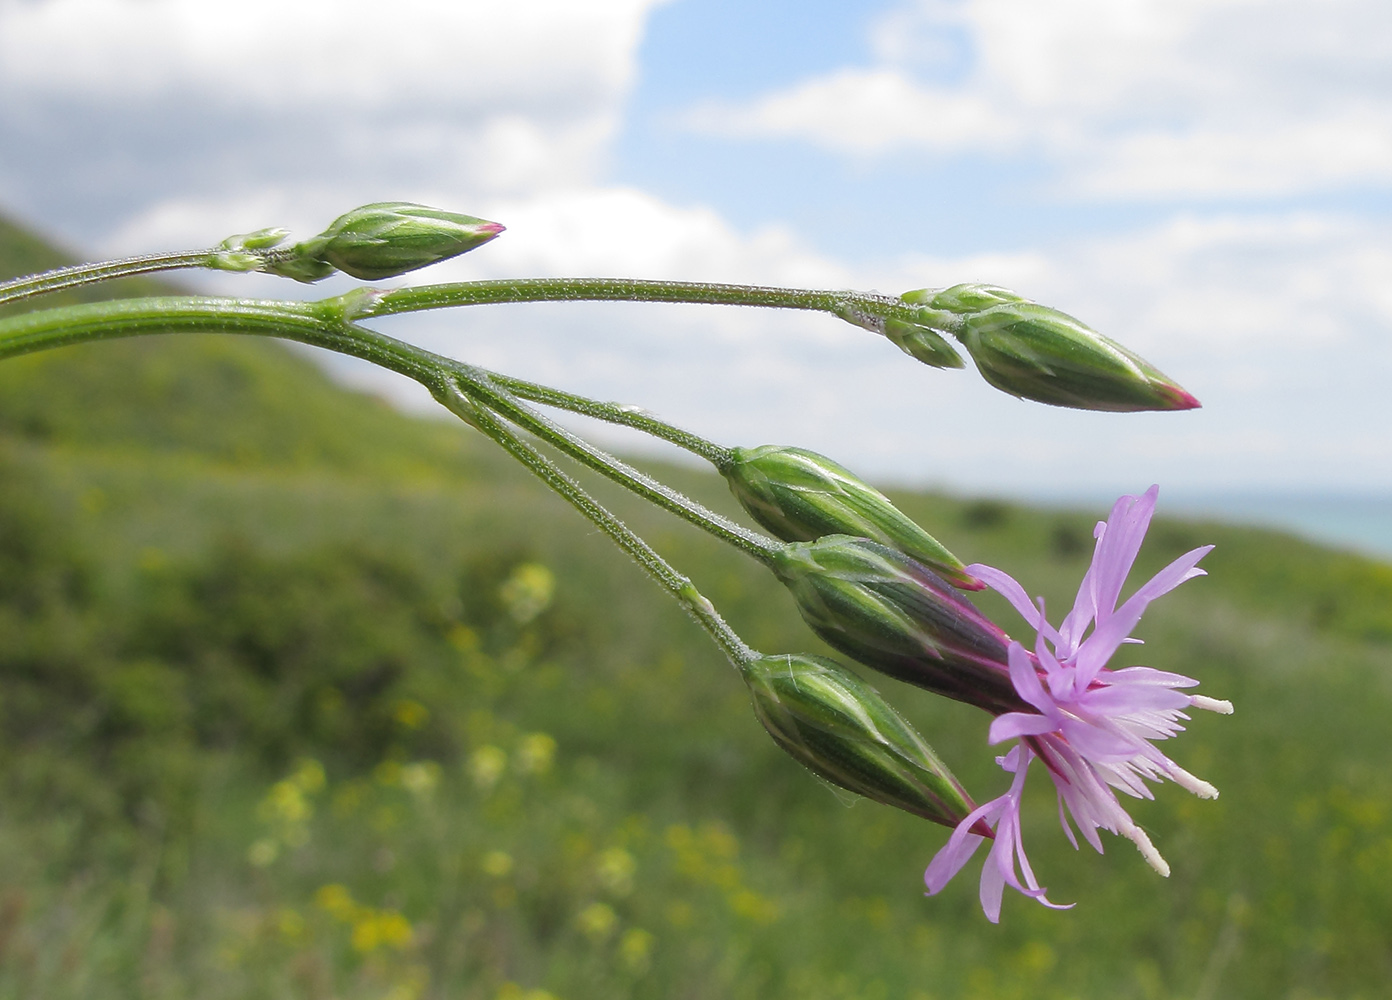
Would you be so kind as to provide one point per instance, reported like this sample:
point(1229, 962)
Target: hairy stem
point(477, 385)
point(86, 274)
point(863, 308)
point(329, 324)
point(658, 568)
point(614, 413)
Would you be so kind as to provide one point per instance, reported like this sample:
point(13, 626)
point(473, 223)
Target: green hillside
point(302, 697)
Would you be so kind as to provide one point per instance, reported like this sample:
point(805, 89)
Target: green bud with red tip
point(800, 496)
point(1036, 352)
point(840, 728)
point(384, 240)
point(892, 613)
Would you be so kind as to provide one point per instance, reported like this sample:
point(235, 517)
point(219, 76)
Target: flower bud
point(801, 496)
point(1039, 353)
point(892, 613)
point(962, 299)
point(245, 251)
point(384, 240)
point(922, 342)
point(839, 727)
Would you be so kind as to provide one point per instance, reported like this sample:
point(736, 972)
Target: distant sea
point(1360, 523)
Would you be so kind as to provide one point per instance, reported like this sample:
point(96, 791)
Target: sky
point(1208, 182)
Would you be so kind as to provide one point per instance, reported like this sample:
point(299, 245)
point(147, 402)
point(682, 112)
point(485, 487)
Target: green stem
point(324, 324)
point(614, 413)
point(863, 308)
point(86, 274)
point(658, 568)
point(328, 323)
point(479, 386)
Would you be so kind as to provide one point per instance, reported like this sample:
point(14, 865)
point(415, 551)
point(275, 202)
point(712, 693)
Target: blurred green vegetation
point(303, 697)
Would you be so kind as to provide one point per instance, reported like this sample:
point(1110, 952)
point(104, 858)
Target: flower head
point(1093, 727)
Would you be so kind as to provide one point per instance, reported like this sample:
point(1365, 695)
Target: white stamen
point(1188, 782)
point(1218, 705)
point(1137, 836)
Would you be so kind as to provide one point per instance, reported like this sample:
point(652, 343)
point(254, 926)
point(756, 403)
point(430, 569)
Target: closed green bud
point(839, 727)
point(384, 240)
point(801, 496)
point(892, 613)
point(1039, 353)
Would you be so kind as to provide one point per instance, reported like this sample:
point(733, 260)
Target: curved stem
point(614, 413)
point(324, 324)
point(658, 568)
point(329, 324)
point(86, 274)
point(863, 308)
point(482, 389)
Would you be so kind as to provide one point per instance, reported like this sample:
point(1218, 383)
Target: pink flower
point(1094, 728)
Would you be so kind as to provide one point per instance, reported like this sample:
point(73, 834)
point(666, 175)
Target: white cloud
point(491, 97)
point(1282, 324)
point(1138, 98)
point(455, 53)
point(866, 112)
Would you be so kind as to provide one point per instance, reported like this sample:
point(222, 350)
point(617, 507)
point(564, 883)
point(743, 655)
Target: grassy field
point(300, 697)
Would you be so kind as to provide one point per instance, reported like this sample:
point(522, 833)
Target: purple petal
point(1107, 637)
point(1026, 679)
point(1046, 630)
point(1102, 645)
point(1127, 699)
point(949, 861)
point(1007, 586)
point(1096, 744)
point(1013, 725)
point(1034, 889)
point(1084, 605)
point(1177, 572)
point(992, 885)
point(1067, 826)
point(1174, 574)
point(1060, 678)
point(1116, 553)
point(1148, 675)
point(958, 849)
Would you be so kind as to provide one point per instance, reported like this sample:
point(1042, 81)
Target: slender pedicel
point(480, 388)
point(86, 274)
